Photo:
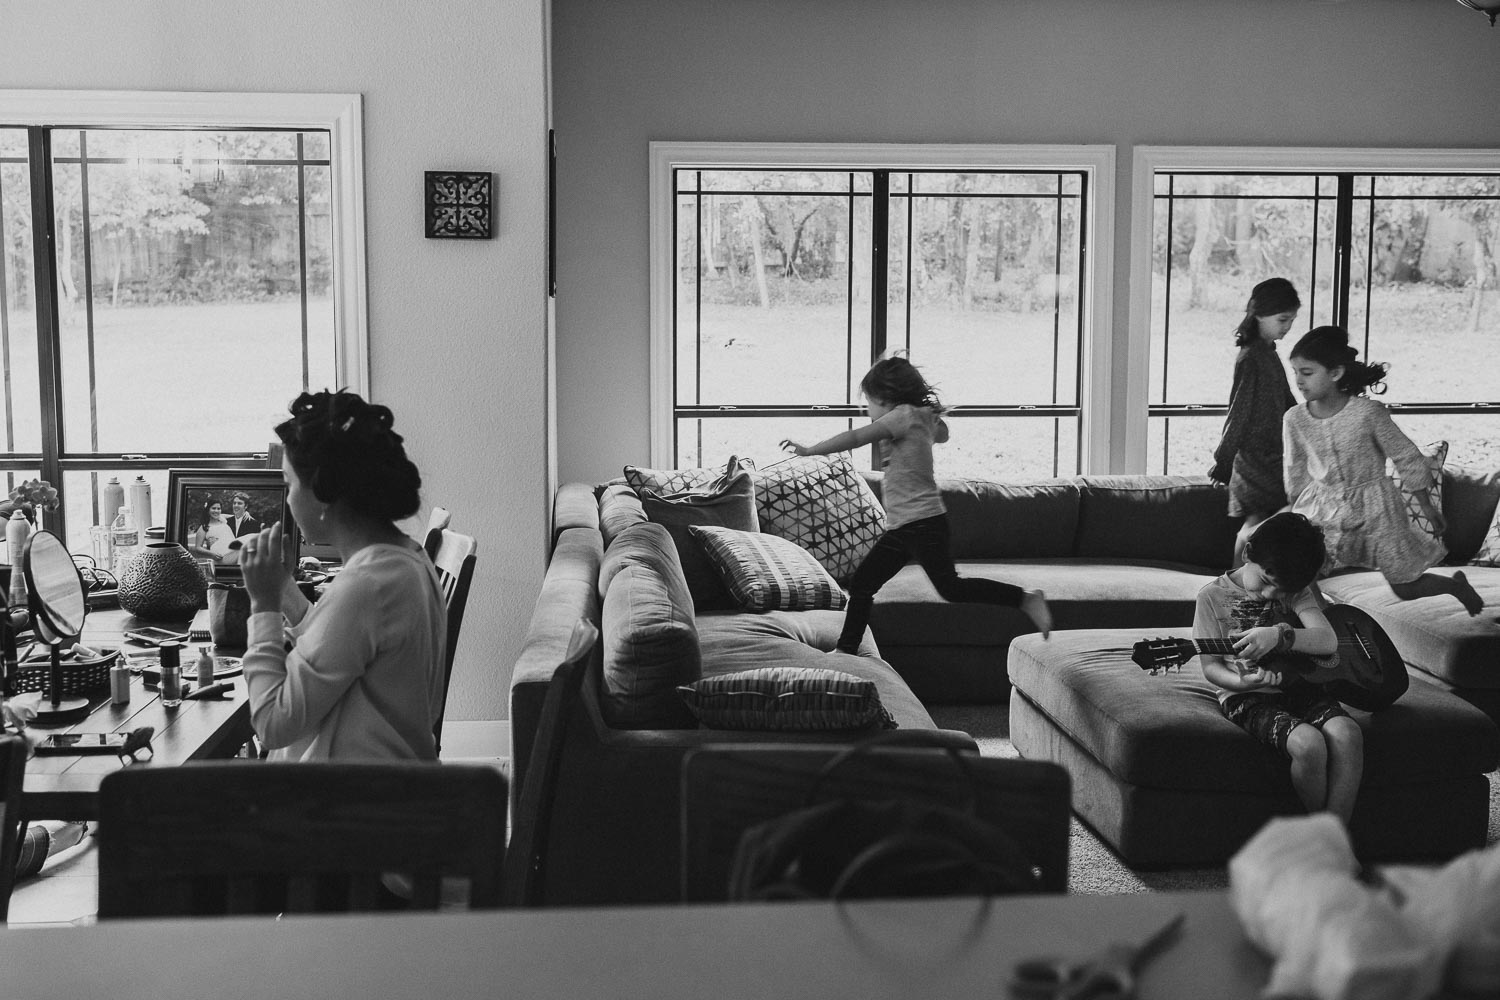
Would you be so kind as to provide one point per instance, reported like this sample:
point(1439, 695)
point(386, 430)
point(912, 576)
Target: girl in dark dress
point(1248, 458)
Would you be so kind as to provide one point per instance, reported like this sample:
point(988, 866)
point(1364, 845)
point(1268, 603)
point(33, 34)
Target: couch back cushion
point(1011, 520)
point(650, 642)
point(619, 508)
point(1469, 500)
point(1181, 519)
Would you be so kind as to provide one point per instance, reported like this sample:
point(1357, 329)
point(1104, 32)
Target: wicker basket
point(77, 678)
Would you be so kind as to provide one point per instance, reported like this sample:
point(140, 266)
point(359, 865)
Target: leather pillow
point(729, 504)
point(650, 642)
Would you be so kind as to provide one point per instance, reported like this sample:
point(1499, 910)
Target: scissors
point(1106, 975)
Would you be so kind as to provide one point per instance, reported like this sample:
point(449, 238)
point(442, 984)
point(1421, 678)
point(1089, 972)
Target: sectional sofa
point(1111, 552)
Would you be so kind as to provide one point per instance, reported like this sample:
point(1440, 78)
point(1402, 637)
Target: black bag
point(862, 848)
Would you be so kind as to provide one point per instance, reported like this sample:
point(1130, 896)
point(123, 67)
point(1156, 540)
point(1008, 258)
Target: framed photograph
point(209, 512)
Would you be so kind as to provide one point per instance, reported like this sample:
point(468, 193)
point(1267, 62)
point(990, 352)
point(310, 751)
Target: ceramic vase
point(162, 583)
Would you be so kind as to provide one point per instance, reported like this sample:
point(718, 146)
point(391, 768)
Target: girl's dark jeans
point(927, 540)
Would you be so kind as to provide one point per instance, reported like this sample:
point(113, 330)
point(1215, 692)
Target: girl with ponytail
point(1248, 458)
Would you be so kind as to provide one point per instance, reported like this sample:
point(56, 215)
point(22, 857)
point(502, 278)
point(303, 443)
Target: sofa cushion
point(1011, 520)
point(1081, 593)
point(1434, 634)
point(1470, 498)
point(1183, 519)
point(619, 508)
point(795, 698)
point(823, 505)
point(767, 573)
point(1435, 454)
point(650, 641)
point(733, 641)
point(730, 505)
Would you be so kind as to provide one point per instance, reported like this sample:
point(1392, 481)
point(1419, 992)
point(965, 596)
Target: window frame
point(1147, 161)
point(1096, 161)
point(340, 114)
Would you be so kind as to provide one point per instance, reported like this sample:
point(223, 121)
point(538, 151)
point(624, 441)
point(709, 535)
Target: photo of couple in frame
point(210, 513)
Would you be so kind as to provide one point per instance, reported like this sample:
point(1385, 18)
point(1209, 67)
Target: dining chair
point(525, 857)
point(247, 837)
point(439, 519)
point(453, 556)
point(728, 788)
point(12, 826)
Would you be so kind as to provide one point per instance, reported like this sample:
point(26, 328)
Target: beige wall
point(457, 329)
point(1125, 72)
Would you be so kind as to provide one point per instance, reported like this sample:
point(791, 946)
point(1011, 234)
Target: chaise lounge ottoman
point(1167, 781)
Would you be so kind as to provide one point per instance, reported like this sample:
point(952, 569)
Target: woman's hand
point(795, 448)
point(263, 562)
point(1255, 643)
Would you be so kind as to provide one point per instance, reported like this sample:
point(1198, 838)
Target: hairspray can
point(111, 499)
point(119, 684)
point(140, 502)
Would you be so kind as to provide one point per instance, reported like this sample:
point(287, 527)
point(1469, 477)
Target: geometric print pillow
point(823, 505)
point(1436, 454)
point(669, 481)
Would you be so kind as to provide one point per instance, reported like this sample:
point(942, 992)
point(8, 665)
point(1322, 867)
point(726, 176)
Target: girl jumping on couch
point(906, 420)
point(1248, 458)
point(1336, 447)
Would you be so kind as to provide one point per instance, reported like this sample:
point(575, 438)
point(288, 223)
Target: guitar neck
point(1214, 647)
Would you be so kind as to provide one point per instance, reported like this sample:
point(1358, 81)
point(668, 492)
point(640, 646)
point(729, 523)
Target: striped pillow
point(801, 698)
point(767, 573)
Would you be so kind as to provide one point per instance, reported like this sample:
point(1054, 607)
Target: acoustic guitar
point(1366, 673)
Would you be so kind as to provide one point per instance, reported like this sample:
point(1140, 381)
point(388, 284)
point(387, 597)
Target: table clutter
point(1339, 932)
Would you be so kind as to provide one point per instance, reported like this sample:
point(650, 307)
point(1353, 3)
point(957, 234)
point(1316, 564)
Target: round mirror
point(54, 588)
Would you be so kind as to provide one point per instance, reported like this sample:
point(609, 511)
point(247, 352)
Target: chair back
point(525, 858)
point(436, 522)
point(729, 788)
point(247, 837)
point(453, 556)
point(12, 827)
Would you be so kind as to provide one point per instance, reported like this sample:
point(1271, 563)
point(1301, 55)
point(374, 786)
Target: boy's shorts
point(1270, 716)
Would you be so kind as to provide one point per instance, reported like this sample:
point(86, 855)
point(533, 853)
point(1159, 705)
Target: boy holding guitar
point(1255, 607)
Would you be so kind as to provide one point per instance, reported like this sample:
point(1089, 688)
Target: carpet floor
point(1092, 866)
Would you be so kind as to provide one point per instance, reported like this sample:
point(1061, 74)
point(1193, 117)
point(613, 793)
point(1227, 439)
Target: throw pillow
point(766, 573)
point(823, 505)
point(1489, 549)
point(1435, 454)
point(671, 481)
point(802, 698)
point(730, 505)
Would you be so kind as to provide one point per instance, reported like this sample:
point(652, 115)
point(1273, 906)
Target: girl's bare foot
point(1035, 606)
point(1466, 594)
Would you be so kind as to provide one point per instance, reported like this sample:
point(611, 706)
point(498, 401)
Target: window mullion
point(1343, 247)
point(44, 252)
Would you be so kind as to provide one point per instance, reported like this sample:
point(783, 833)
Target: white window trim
point(1097, 162)
point(1148, 160)
point(340, 114)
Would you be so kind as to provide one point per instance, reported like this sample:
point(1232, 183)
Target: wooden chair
point(728, 788)
point(453, 556)
point(12, 827)
point(525, 858)
point(246, 837)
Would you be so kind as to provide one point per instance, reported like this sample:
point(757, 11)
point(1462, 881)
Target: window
point(782, 272)
point(1398, 246)
point(176, 269)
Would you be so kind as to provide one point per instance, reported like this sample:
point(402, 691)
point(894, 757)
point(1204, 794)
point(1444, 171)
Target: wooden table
point(67, 787)
point(959, 948)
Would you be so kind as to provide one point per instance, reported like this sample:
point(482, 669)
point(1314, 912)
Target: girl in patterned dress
point(1336, 447)
point(1248, 458)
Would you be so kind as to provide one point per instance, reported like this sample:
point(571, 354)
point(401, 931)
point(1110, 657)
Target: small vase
point(162, 583)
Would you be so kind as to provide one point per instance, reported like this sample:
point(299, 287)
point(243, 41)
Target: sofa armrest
point(574, 506)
